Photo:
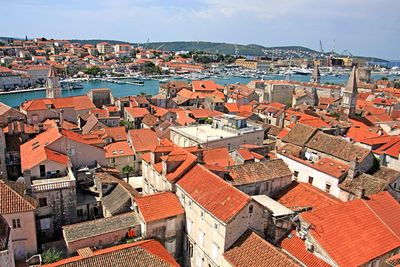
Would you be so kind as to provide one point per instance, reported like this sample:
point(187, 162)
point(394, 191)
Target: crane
point(333, 47)
point(347, 53)
point(321, 49)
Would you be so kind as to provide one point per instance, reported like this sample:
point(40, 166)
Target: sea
point(150, 87)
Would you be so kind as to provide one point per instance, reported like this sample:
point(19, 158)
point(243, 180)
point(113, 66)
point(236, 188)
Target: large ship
point(301, 71)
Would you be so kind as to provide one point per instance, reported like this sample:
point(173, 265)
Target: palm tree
point(127, 169)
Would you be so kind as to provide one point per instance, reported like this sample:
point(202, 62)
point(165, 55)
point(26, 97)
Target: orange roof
point(356, 232)
point(297, 249)
point(118, 256)
point(137, 112)
point(218, 156)
point(151, 210)
point(283, 133)
point(13, 199)
point(392, 148)
point(252, 250)
point(199, 113)
point(206, 85)
point(143, 140)
point(214, 194)
point(303, 195)
point(118, 149)
point(379, 118)
point(33, 152)
point(358, 134)
point(76, 102)
point(232, 107)
point(56, 156)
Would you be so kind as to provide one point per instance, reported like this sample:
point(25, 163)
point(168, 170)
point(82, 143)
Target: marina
point(131, 86)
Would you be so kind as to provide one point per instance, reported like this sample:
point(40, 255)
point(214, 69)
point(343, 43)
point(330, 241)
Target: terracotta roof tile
point(297, 249)
point(118, 149)
point(214, 194)
point(303, 195)
point(371, 229)
point(138, 254)
point(251, 250)
point(151, 210)
point(252, 172)
point(13, 199)
point(143, 140)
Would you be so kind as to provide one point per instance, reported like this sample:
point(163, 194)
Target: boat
point(301, 71)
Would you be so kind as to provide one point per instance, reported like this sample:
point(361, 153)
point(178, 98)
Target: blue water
point(150, 87)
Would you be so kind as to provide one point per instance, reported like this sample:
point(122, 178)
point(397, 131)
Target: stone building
point(101, 97)
point(349, 97)
point(6, 246)
point(18, 209)
point(260, 178)
point(53, 87)
point(165, 222)
point(102, 232)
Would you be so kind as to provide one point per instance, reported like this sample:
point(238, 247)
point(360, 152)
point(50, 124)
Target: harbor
point(148, 86)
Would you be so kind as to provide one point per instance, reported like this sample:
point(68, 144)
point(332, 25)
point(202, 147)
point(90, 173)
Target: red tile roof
point(355, 232)
point(118, 149)
point(76, 102)
point(295, 247)
point(137, 112)
point(212, 193)
point(204, 113)
point(159, 206)
point(143, 140)
point(250, 250)
point(33, 152)
point(303, 195)
point(357, 134)
point(206, 85)
point(13, 199)
point(218, 156)
point(142, 253)
point(391, 148)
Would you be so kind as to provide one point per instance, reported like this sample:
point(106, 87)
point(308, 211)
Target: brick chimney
point(352, 172)
point(22, 125)
point(61, 117)
point(10, 126)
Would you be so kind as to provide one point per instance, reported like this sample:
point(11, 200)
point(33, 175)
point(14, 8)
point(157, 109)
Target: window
point(327, 187)
point(251, 209)
point(16, 223)
point(189, 226)
point(201, 238)
point(310, 179)
point(202, 215)
point(43, 202)
point(79, 212)
point(45, 224)
point(190, 203)
point(216, 226)
point(295, 175)
point(112, 160)
point(170, 245)
point(214, 251)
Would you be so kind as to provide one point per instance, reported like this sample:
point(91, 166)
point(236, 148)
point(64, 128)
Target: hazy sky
point(365, 27)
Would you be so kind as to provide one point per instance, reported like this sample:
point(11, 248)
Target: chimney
point(22, 125)
point(352, 172)
point(10, 126)
point(61, 117)
point(28, 182)
point(15, 123)
point(40, 126)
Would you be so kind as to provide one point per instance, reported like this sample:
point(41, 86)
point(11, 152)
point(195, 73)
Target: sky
point(364, 27)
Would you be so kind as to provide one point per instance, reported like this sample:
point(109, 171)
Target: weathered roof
point(13, 199)
point(252, 172)
point(139, 254)
point(117, 200)
point(299, 134)
point(337, 147)
point(143, 139)
point(251, 250)
point(371, 183)
point(98, 227)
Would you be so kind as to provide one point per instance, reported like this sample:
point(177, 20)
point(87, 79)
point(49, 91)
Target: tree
point(93, 71)
point(128, 124)
point(51, 255)
point(127, 170)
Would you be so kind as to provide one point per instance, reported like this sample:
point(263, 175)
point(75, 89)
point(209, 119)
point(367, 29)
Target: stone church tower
point(349, 98)
point(316, 75)
point(53, 87)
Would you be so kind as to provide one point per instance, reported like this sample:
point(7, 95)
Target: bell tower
point(349, 98)
point(316, 75)
point(53, 87)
